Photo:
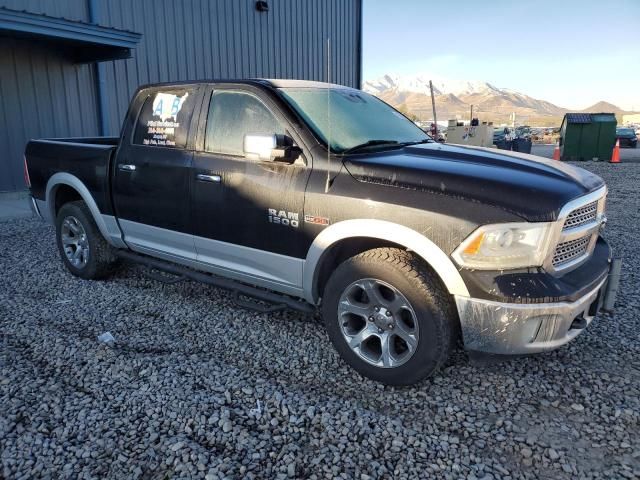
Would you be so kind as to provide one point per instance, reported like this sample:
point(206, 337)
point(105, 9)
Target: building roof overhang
point(84, 42)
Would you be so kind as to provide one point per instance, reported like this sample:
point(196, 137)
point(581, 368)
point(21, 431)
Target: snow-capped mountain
point(420, 84)
point(455, 97)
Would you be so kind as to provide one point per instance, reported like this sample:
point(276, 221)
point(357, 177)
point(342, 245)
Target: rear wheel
point(388, 316)
point(83, 250)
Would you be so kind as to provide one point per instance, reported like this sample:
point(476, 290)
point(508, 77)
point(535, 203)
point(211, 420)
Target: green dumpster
point(587, 136)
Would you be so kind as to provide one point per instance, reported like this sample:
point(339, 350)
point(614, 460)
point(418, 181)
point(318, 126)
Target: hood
point(531, 187)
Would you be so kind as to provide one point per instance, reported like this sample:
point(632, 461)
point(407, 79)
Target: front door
point(152, 174)
point(248, 214)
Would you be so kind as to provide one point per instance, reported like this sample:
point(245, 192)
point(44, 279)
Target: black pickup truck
point(305, 194)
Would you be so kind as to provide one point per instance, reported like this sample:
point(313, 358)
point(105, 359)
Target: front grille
point(570, 250)
point(581, 216)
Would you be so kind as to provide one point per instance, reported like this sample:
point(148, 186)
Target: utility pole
point(471, 115)
point(433, 106)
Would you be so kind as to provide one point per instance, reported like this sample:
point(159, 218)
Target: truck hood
point(529, 186)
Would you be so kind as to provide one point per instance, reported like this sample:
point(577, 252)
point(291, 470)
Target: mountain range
point(454, 98)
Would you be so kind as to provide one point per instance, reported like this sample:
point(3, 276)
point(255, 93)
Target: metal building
point(69, 67)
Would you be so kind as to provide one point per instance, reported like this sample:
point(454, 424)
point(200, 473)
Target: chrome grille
point(571, 250)
point(581, 216)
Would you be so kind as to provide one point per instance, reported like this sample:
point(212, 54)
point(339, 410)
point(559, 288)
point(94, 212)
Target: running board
point(280, 301)
point(163, 278)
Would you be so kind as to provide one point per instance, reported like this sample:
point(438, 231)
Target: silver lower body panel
point(517, 329)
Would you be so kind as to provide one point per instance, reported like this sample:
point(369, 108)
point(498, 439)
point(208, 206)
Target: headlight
point(504, 246)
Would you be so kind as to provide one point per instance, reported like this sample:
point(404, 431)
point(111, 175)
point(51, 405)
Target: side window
point(164, 118)
point(232, 115)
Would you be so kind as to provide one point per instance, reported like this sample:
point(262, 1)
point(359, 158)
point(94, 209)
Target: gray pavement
point(14, 205)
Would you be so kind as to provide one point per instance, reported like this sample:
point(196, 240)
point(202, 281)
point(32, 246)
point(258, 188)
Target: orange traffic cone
point(615, 156)
point(556, 151)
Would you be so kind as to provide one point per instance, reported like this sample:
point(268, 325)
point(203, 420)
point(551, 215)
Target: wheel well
point(341, 251)
point(349, 247)
point(65, 194)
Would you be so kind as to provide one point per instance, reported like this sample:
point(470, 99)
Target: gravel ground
point(626, 154)
point(195, 387)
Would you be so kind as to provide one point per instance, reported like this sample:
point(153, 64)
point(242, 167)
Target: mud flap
point(612, 285)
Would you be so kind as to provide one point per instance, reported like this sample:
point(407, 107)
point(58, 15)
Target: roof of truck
point(270, 82)
point(289, 83)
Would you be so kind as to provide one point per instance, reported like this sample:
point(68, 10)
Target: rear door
point(151, 178)
point(248, 214)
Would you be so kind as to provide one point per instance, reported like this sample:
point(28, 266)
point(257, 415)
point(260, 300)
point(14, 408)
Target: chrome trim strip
point(208, 178)
point(559, 235)
point(579, 232)
point(383, 230)
point(582, 201)
point(63, 178)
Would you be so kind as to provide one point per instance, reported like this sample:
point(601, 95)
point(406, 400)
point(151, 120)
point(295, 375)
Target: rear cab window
point(165, 118)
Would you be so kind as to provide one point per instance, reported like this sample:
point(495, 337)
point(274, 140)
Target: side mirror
point(278, 148)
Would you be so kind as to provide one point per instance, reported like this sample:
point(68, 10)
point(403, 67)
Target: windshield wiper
point(417, 142)
point(370, 143)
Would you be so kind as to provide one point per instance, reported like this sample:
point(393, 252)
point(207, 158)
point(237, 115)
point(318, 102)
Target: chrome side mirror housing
point(275, 148)
point(259, 147)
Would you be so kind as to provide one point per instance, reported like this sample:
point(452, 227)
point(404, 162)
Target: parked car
point(499, 135)
point(404, 244)
point(627, 137)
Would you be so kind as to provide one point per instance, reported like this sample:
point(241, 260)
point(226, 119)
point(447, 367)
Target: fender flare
point(383, 230)
point(110, 232)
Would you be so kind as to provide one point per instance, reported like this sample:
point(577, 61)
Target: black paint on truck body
point(443, 192)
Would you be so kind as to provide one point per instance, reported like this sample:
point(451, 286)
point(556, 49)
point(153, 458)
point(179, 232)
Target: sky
point(571, 53)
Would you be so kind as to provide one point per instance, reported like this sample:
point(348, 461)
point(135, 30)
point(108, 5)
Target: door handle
point(208, 178)
point(127, 168)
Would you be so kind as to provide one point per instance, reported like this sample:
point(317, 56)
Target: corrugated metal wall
point(69, 9)
point(42, 94)
point(195, 39)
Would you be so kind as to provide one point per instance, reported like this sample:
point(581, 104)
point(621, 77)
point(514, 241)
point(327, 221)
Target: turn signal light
point(474, 245)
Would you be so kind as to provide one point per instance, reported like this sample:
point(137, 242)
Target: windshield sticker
point(167, 105)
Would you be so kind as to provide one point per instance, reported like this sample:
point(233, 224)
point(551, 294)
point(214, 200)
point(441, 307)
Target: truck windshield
point(347, 119)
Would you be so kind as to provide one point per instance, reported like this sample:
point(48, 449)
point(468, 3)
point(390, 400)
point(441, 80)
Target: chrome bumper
point(516, 329)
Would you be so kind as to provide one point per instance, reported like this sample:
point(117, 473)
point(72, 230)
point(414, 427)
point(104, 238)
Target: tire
point(96, 258)
point(420, 319)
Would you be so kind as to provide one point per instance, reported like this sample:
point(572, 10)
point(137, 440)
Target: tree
point(402, 108)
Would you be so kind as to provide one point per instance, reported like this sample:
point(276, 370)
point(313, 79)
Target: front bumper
point(518, 329)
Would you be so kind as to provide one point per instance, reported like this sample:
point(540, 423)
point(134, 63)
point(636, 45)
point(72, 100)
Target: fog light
point(531, 328)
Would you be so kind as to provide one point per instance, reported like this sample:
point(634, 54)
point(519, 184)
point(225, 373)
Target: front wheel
point(84, 251)
point(389, 316)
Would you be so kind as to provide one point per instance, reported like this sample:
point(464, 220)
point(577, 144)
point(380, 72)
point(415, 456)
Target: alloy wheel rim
point(74, 242)
point(378, 323)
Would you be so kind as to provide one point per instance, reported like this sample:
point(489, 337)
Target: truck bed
point(86, 158)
